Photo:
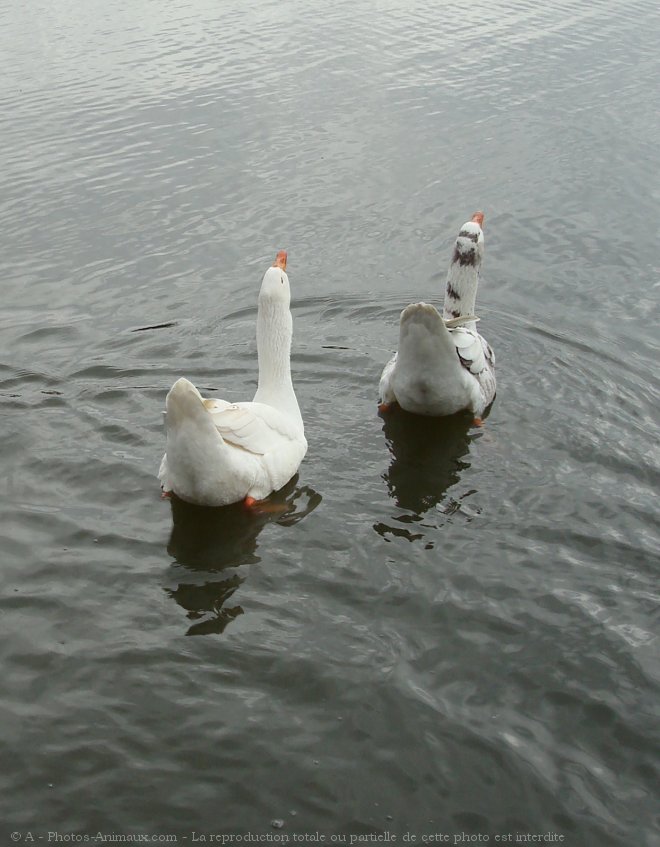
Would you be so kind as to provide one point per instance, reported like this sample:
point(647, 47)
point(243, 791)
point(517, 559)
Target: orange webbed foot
point(478, 422)
point(264, 507)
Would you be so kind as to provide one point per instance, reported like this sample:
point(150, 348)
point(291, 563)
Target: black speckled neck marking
point(451, 292)
point(467, 258)
point(473, 236)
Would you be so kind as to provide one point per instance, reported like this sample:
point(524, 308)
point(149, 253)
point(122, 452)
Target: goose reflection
point(427, 459)
point(206, 541)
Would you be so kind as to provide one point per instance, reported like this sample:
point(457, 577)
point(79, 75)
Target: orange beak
point(478, 218)
point(280, 260)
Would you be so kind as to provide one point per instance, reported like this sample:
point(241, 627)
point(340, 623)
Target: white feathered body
point(443, 366)
point(219, 452)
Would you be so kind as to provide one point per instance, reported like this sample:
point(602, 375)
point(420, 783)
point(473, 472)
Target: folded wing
point(473, 351)
point(254, 427)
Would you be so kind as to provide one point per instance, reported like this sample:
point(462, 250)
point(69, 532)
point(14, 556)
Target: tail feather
point(183, 402)
point(196, 456)
point(429, 377)
point(423, 337)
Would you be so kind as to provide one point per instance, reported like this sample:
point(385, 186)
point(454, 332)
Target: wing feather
point(255, 427)
point(472, 350)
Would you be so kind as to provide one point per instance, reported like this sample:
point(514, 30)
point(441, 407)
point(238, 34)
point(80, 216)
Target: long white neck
point(463, 277)
point(274, 333)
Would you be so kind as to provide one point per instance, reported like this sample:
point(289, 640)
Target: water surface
point(448, 629)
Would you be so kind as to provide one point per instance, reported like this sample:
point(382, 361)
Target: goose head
point(469, 247)
point(275, 285)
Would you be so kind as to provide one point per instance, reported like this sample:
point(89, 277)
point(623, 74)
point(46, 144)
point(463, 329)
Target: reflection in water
point(207, 540)
point(427, 457)
point(200, 600)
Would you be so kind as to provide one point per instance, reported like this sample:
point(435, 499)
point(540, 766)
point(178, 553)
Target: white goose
point(220, 452)
point(443, 365)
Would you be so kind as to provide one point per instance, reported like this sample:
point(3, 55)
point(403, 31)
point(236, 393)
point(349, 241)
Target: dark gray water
point(450, 630)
